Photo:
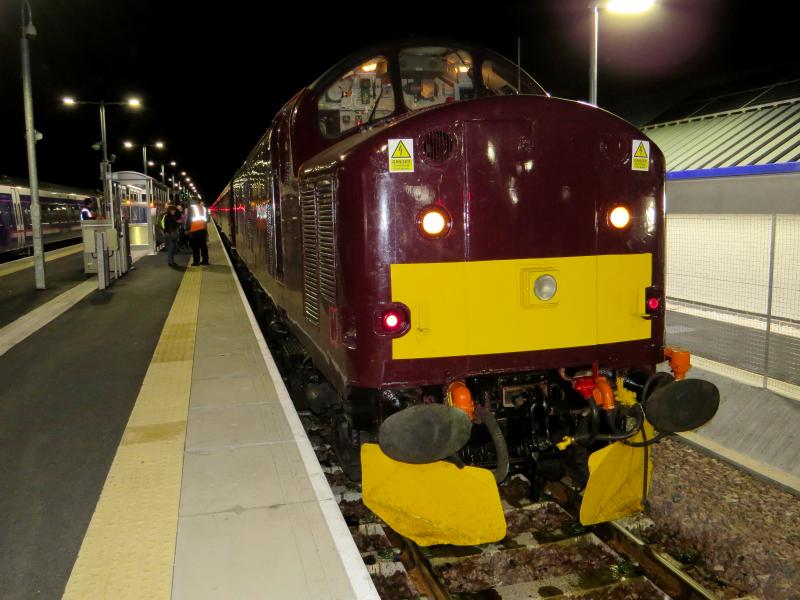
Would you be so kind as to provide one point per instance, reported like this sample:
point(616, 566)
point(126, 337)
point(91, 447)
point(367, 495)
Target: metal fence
point(733, 294)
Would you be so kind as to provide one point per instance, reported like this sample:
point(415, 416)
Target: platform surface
point(63, 270)
point(67, 393)
point(150, 450)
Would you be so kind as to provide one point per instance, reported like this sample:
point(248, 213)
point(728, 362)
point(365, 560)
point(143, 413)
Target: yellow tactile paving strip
point(27, 262)
point(129, 546)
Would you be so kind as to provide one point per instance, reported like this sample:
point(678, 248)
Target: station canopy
point(755, 130)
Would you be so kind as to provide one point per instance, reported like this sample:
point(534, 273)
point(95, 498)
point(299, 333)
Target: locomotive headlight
point(619, 217)
point(545, 287)
point(434, 222)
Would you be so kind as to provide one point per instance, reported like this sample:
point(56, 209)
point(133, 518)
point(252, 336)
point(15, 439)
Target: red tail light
point(653, 301)
point(392, 320)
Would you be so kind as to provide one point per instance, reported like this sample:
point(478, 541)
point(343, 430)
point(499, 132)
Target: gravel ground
point(738, 530)
point(492, 569)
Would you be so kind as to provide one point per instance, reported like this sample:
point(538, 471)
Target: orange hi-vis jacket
point(199, 218)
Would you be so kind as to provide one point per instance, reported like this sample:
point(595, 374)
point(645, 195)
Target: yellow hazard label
point(401, 155)
point(640, 160)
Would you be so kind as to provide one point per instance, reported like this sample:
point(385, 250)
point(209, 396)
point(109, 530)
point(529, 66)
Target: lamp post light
point(159, 145)
point(628, 7)
point(105, 170)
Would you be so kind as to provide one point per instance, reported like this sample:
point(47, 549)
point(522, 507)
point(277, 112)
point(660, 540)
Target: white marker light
point(545, 287)
point(619, 217)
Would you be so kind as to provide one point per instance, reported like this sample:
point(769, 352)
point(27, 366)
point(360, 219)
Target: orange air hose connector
point(679, 361)
point(603, 394)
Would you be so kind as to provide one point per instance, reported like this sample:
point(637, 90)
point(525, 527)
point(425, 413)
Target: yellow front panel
point(488, 307)
point(621, 282)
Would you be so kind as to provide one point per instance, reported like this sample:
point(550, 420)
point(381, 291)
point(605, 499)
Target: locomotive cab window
point(501, 78)
point(362, 95)
point(433, 75)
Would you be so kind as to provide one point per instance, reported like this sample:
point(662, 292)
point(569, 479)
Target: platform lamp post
point(628, 7)
point(31, 137)
point(173, 193)
point(105, 170)
point(129, 145)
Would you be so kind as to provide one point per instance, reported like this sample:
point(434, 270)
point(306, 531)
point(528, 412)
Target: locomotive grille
point(319, 255)
point(438, 145)
point(270, 239)
point(326, 241)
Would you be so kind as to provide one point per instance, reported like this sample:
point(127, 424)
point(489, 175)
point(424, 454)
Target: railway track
point(546, 553)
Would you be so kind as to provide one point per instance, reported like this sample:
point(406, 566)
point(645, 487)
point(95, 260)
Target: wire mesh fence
point(733, 292)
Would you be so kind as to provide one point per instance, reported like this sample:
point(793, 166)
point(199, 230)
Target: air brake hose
point(500, 447)
point(623, 435)
point(594, 412)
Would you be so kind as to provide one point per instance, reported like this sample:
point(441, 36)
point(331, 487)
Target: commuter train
point(60, 212)
point(456, 265)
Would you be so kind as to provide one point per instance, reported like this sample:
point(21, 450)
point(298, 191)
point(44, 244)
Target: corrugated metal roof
point(753, 135)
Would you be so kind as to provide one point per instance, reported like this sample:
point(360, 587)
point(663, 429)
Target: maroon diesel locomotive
point(449, 245)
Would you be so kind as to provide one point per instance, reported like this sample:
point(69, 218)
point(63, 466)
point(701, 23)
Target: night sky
point(213, 75)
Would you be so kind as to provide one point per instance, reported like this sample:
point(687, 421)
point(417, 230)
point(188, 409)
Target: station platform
point(150, 450)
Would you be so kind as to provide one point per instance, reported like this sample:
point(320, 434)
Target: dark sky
point(212, 75)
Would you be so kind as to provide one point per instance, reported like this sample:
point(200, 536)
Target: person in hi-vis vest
point(197, 226)
point(86, 212)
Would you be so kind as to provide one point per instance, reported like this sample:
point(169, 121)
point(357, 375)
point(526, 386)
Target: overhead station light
point(69, 101)
point(134, 102)
point(629, 7)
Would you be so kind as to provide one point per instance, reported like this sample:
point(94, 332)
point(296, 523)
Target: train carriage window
point(435, 75)
point(503, 78)
point(362, 95)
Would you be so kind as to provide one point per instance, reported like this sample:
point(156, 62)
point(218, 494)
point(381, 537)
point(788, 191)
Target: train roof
point(6, 180)
point(394, 46)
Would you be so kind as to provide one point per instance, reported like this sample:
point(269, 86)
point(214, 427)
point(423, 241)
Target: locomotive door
point(531, 238)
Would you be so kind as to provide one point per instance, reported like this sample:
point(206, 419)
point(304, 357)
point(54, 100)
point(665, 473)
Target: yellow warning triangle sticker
point(640, 151)
point(401, 151)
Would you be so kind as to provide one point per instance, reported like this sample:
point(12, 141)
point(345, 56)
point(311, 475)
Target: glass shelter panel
point(434, 75)
point(362, 95)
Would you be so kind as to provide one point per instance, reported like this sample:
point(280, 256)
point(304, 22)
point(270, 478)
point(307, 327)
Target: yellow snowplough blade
point(434, 503)
point(616, 475)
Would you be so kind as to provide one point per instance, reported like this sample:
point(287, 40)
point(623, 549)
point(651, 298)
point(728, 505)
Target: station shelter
point(733, 234)
point(141, 200)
